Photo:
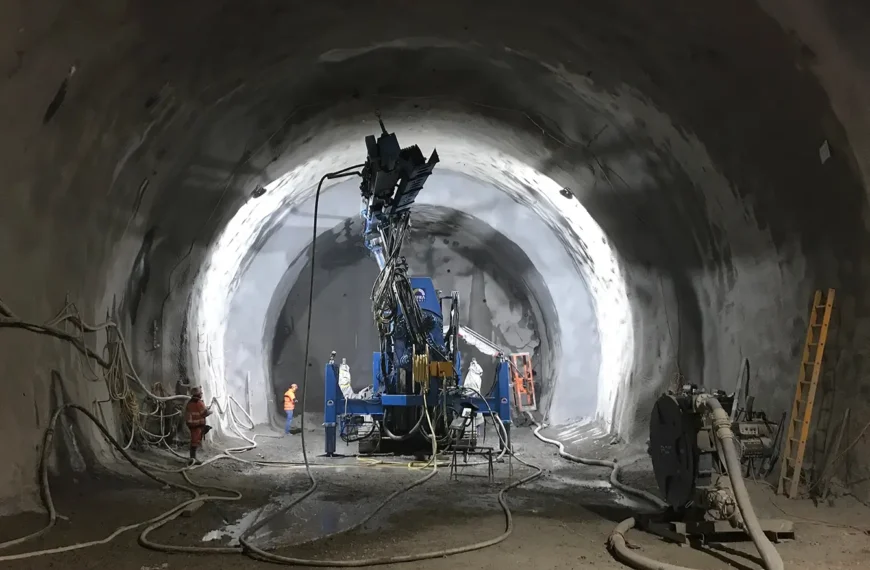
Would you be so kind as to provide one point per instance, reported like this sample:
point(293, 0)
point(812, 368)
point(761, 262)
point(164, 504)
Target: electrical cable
point(115, 376)
point(362, 522)
point(407, 436)
point(258, 553)
point(143, 538)
point(48, 500)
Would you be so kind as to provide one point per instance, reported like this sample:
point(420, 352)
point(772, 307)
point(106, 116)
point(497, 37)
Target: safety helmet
point(196, 392)
point(294, 387)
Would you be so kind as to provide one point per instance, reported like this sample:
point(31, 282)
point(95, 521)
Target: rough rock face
point(132, 133)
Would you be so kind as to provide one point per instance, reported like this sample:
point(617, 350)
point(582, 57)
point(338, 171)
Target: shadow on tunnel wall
point(663, 227)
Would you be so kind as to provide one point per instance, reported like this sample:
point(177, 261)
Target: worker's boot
point(193, 459)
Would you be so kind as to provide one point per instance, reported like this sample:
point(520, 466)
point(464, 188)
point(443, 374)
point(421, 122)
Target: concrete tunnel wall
point(689, 132)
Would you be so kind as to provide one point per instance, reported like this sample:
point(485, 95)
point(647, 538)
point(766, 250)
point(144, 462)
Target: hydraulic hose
point(631, 557)
point(722, 425)
point(49, 502)
point(408, 435)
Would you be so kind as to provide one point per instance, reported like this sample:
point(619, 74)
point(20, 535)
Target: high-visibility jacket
point(290, 400)
point(194, 416)
point(195, 413)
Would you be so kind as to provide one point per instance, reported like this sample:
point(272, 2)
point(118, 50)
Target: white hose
point(722, 424)
point(612, 465)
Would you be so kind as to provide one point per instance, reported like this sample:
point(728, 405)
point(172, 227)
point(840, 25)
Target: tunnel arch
point(536, 196)
point(501, 290)
point(714, 117)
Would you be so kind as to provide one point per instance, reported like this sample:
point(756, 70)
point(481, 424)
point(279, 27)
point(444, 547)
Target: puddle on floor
point(313, 518)
point(234, 530)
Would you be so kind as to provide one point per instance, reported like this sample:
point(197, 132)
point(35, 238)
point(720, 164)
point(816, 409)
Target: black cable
point(407, 436)
point(343, 173)
point(51, 331)
point(357, 438)
point(330, 176)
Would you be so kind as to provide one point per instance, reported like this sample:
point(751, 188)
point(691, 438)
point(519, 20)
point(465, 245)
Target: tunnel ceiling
point(690, 132)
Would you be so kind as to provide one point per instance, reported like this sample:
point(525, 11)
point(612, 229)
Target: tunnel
point(640, 196)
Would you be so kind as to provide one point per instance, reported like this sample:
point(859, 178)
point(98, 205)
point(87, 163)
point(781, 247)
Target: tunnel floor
point(561, 521)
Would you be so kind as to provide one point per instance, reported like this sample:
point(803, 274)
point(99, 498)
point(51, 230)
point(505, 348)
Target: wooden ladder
point(791, 462)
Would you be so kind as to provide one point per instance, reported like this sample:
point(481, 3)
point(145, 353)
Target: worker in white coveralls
point(347, 390)
point(474, 381)
point(344, 379)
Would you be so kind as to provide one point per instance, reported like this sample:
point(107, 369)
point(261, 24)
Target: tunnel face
point(708, 150)
point(501, 298)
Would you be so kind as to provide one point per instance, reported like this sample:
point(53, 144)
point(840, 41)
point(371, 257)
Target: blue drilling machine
point(417, 386)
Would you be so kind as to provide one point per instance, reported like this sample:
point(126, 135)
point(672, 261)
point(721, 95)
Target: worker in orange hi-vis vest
point(289, 406)
point(194, 416)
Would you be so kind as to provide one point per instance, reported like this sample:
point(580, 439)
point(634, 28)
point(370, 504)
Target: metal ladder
point(792, 459)
point(524, 382)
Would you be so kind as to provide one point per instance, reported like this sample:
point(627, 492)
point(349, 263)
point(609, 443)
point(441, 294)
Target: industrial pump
point(690, 461)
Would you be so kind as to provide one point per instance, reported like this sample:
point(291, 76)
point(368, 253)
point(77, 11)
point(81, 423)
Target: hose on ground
point(48, 501)
point(631, 557)
point(616, 541)
point(258, 553)
point(154, 522)
point(722, 424)
point(612, 465)
point(176, 512)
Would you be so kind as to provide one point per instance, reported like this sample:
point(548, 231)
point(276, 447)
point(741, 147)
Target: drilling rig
point(417, 388)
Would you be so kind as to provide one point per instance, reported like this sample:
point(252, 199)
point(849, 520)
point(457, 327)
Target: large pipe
point(722, 426)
